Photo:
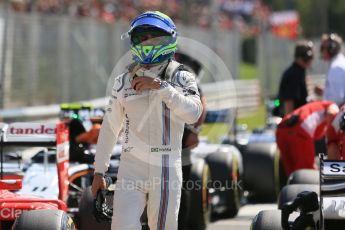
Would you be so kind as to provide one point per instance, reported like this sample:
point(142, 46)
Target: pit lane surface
point(243, 219)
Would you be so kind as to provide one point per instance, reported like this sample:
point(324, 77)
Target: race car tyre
point(44, 220)
point(267, 220)
point(263, 172)
point(86, 219)
point(304, 176)
point(200, 199)
point(333, 224)
point(290, 192)
point(81, 176)
point(226, 179)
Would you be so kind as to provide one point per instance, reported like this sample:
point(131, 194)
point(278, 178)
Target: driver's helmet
point(153, 38)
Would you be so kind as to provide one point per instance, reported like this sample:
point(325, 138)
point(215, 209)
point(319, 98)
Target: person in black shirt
point(189, 141)
point(293, 90)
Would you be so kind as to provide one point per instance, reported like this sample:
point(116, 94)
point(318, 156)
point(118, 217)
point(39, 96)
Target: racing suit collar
point(152, 72)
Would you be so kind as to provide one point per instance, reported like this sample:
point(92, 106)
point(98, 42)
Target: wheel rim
point(276, 171)
point(234, 177)
point(76, 190)
point(206, 198)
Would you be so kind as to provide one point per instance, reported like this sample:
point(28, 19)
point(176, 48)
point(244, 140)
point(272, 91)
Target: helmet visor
point(149, 36)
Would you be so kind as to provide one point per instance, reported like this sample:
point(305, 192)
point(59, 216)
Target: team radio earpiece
point(332, 44)
point(304, 50)
point(308, 53)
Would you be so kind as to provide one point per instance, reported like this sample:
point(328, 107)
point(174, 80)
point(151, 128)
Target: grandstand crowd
point(230, 14)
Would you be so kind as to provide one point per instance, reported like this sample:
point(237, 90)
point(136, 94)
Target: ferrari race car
point(309, 202)
point(37, 167)
point(19, 207)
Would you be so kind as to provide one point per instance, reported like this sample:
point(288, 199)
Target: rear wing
point(29, 134)
point(332, 176)
point(333, 169)
point(332, 188)
point(40, 134)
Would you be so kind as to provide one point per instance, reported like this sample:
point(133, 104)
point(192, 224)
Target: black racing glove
point(103, 203)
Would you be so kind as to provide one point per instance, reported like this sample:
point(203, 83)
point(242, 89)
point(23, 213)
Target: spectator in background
point(48, 6)
point(240, 14)
point(19, 5)
point(335, 82)
point(293, 90)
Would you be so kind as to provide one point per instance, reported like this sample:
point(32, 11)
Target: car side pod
point(307, 203)
point(11, 184)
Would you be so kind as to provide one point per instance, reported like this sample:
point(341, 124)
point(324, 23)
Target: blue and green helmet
point(153, 38)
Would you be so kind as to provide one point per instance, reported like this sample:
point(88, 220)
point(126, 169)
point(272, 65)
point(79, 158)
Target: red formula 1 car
point(24, 211)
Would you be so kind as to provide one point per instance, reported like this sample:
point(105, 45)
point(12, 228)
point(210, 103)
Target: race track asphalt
point(243, 219)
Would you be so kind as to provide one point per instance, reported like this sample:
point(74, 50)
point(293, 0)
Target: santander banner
point(26, 128)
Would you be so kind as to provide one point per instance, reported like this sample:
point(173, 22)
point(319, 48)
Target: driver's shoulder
point(183, 77)
point(120, 81)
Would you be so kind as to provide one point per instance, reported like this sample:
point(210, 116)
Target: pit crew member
point(293, 91)
point(299, 129)
point(330, 50)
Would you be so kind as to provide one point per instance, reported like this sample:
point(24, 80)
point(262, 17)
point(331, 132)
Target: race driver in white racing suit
point(152, 111)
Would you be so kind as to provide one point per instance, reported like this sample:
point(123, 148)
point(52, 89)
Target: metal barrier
point(55, 59)
point(274, 55)
point(41, 112)
point(242, 95)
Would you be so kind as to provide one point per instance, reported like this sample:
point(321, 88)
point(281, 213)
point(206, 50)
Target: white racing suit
point(150, 167)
